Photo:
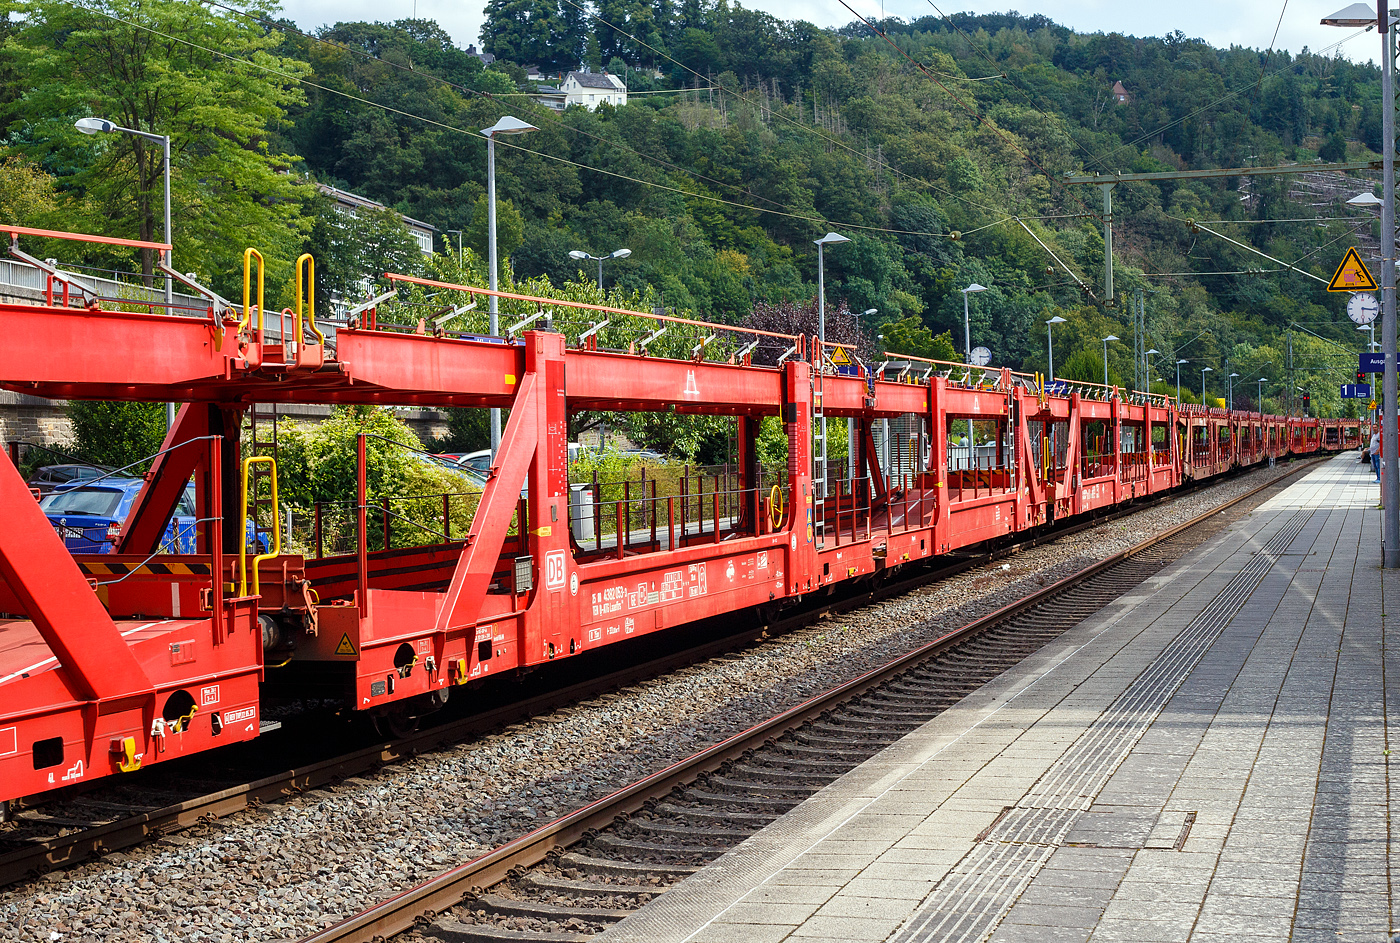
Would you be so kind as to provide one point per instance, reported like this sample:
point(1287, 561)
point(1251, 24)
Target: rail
point(403, 911)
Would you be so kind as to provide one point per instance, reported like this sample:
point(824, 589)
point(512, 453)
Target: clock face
point(1362, 307)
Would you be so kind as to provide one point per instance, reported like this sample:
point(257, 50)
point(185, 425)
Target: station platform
point(1206, 760)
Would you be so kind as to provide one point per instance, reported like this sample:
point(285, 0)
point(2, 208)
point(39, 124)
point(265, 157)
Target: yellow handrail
point(243, 529)
point(310, 297)
point(247, 288)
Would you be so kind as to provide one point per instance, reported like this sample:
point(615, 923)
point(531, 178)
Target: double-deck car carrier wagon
point(112, 662)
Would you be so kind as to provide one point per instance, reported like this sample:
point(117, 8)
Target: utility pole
point(1107, 189)
point(1292, 387)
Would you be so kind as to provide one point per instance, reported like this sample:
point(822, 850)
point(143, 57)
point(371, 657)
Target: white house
point(591, 89)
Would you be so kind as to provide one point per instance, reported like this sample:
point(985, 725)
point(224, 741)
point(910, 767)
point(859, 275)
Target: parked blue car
point(86, 516)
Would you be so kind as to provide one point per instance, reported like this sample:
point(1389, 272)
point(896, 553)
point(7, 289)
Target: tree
point(910, 336)
point(510, 230)
point(166, 67)
point(116, 434)
point(547, 33)
point(350, 247)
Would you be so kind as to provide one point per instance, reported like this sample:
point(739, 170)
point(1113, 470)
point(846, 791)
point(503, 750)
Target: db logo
point(554, 569)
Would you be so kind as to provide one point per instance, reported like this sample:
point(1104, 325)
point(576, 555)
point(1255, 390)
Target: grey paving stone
point(1043, 915)
point(743, 933)
point(1140, 931)
point(824, 927)
point(1245, 925)
point(1024, 933)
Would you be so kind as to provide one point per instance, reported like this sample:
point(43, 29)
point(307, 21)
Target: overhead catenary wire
point(831, 139)
point(821, 220)
point(493, 96)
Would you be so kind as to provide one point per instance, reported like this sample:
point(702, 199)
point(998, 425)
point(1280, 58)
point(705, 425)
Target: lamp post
point(1147, 367)
point(1204, 371)
point(967, 329)
point(1259, 395)
point(582, 256)
point(103, 126)
point(830, 239)
point(1050, 342)
point(1111, 337)
point(506, 125)
point(967, 357)
point(1178, 380)
point(1378, 15)
point(1230, 390)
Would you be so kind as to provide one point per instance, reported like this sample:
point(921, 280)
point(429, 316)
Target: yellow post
point(305, 260)
point(243, 528)
point(248, 255)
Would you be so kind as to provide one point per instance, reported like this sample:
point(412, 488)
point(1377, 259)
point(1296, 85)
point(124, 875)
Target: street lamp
point(1178, 380)
point(830, 239)
point(1378, 15)
point(1259, 395)
point(1050, 342)
point(967, 339)
point(1204, 371)
point(506, 126)
point(582, 256)
point(1230, 389)
point(967, 329)
point(1111, 337)
point(1147, 367)
point(103, 126)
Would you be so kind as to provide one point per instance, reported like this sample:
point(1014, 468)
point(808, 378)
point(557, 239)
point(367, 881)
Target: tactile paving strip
point(967, 905)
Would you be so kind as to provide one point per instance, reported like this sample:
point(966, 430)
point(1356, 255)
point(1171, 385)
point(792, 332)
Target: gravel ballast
point(288, 869)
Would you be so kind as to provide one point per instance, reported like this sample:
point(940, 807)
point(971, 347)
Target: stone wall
point(32, 419)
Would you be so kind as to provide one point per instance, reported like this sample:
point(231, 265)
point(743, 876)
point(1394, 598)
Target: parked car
point(89, 517)
point(54, 476)
point(479, 462)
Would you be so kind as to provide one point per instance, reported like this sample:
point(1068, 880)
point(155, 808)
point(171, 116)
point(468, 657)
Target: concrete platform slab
point(1204, 760)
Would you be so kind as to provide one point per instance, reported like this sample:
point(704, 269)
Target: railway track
point(575, 877)
point(120, 814)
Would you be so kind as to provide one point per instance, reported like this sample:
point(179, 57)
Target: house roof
point(1118, 88)
point(347, 198)
point(597, 80)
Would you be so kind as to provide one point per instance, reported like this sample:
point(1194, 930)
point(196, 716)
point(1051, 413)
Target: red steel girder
point(41, 574)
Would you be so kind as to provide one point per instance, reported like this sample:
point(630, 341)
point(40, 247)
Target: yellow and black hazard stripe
point(96, 568)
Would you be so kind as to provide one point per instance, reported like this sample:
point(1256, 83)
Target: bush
point(316, 463)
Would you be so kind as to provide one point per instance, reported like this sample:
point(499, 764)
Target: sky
point(1241, 22)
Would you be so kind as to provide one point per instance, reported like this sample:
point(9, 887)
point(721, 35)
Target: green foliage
point(510, 229)
point(129, 61)
point(116, 434)
point(910, 336)
point(349, 246)
point(772, 444)
point(317, 463)
point(468, 430)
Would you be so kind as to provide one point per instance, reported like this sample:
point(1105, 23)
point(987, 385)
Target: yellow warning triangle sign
point(840, 357)
point(345, 647)
point(1351, 275)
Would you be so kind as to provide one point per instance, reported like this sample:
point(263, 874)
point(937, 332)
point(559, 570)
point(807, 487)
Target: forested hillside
point(745, 138)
